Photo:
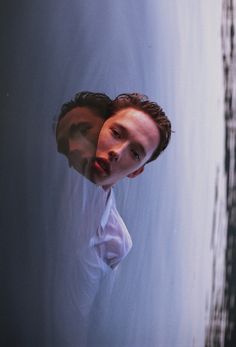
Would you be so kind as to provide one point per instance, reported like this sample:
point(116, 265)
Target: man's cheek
point(105, 143)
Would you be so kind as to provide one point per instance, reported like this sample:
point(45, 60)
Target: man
point(78, 127)
point(135, 134)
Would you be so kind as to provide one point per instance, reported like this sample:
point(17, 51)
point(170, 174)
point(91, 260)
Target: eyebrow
point(127, 133)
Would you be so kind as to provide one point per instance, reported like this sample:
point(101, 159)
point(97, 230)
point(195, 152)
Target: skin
point(126, 142)
point(77, 136)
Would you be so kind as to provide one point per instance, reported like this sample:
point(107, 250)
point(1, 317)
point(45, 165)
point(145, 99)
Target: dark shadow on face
point(77, 136)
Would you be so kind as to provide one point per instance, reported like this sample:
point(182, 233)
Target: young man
point(136, 133)
point(78, 127)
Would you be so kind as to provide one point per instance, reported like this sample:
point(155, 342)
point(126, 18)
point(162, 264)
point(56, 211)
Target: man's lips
point(102, 165)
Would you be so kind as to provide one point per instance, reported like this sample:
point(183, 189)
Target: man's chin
point(104, 186)
point(98, 180)
point(99, 177)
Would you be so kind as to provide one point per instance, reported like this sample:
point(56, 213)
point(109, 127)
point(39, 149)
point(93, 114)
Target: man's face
point(77, 136)
point(126, 141)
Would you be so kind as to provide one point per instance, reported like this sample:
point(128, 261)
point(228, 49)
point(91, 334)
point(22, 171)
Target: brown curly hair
point(142, 103)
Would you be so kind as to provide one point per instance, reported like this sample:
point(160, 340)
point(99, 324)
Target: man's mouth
point(102, 165)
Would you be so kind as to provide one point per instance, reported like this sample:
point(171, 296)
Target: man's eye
point(135, 154)
point(77, 129)
point(116, 133)
point(84, 129)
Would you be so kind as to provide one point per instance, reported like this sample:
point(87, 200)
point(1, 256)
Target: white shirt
point(104, 242)
point(112, 241)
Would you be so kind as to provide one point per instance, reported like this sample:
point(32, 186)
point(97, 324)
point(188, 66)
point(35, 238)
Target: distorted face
point(77, 135)
point(126, 142)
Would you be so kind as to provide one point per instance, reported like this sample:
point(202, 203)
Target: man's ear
point(136, 172)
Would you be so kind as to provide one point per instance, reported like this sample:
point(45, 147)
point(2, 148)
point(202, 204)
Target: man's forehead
point(134, 119)
point(128, 111)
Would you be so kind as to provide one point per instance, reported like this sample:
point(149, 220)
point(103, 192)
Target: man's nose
point(115, 154)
